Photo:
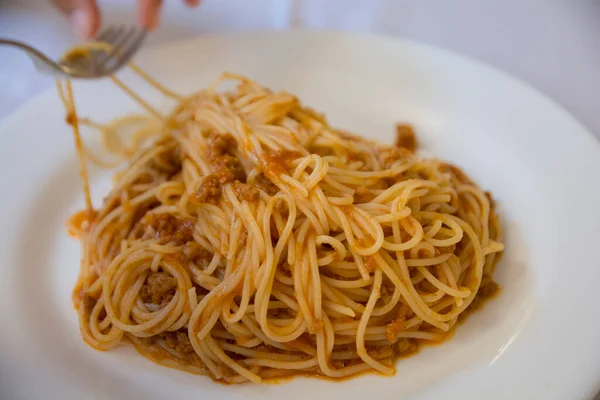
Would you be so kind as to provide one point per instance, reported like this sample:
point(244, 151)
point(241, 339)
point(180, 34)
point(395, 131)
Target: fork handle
point(41, 62)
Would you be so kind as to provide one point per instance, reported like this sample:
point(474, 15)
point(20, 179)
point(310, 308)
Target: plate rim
point(231, 35)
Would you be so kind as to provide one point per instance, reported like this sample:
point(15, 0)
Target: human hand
point(84, 15)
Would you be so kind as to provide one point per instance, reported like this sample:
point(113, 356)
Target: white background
point(552, 44)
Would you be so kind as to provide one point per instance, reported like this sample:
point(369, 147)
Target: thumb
point(83, 15)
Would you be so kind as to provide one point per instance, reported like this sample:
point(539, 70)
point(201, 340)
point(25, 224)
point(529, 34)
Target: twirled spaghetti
point(251, 240)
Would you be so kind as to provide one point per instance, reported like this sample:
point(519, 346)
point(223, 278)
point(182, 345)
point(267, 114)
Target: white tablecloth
point(552, 44)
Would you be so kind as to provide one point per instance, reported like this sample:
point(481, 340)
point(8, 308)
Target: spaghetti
point(251, 240)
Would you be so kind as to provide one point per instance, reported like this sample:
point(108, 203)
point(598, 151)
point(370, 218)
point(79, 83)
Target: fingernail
point(81, 22)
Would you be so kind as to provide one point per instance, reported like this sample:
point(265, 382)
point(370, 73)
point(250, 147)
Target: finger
point(84, 15)
point(192, 3)
point(149, 13)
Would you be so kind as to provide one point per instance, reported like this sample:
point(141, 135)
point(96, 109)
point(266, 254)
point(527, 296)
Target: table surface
point(552, 44)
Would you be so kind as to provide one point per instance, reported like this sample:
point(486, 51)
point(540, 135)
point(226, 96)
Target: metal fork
point(123, 42)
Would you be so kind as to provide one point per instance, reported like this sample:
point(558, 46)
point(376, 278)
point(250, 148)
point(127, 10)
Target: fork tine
point(106, 36)
point(119, 41)
point(100, 55)
point(128, 50)
point(115, 37)
point(109, 33)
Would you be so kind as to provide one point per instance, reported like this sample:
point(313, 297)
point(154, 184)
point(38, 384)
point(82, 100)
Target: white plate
point(540, 339)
